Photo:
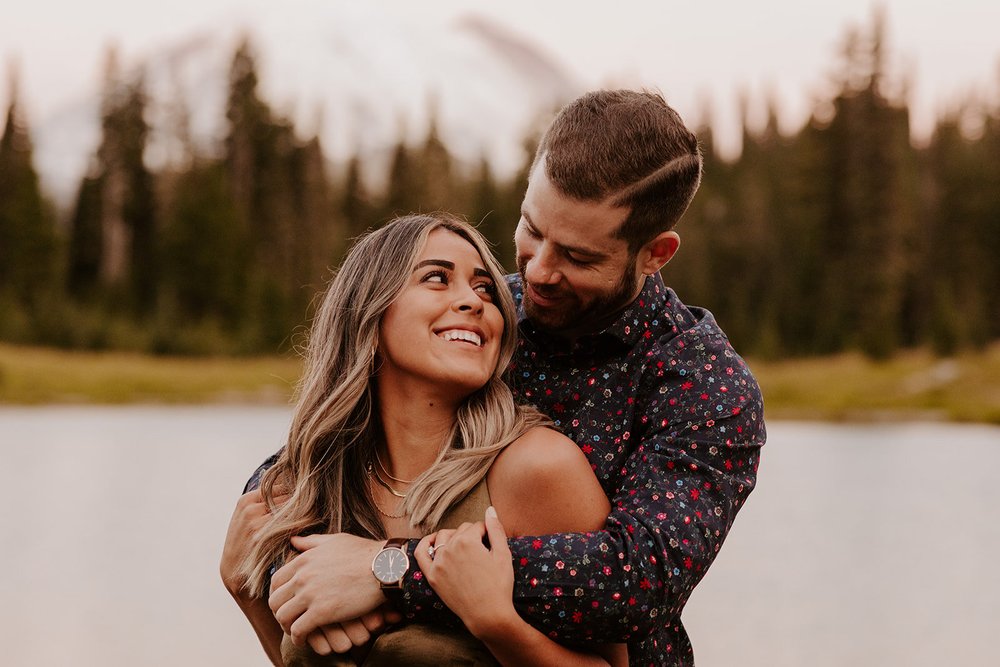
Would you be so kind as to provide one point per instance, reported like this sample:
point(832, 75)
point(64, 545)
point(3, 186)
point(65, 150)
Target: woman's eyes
point(436, 277)
point(486, 287)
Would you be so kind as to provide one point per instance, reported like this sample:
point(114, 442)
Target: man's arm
point(680, 490)
point(248, 517)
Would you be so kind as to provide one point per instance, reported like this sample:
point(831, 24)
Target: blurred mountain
point(355, 75)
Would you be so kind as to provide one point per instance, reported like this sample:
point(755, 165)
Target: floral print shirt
point(672, 422)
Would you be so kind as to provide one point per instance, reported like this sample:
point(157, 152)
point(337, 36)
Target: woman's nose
point(468, 300)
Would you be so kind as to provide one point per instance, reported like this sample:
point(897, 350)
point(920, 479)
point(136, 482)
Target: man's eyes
point(532, 232)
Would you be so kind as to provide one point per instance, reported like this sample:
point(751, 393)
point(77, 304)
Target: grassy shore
point(913, 385)
point(34, 375)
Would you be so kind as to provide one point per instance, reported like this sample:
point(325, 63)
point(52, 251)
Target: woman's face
point(444, 329)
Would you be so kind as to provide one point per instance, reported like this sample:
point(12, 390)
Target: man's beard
point(569, 316)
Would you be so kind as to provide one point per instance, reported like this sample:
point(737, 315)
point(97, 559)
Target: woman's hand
point(475, 581)
point(248, 518)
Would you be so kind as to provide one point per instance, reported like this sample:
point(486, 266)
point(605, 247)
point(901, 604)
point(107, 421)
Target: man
point(667, 413)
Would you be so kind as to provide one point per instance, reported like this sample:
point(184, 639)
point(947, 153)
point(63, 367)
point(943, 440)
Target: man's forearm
point(610, 585)
point(268, 631)
point(419, 601)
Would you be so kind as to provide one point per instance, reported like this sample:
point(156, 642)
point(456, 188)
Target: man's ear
point(658, 252)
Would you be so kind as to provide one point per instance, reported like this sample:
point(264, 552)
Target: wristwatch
point(391, 563)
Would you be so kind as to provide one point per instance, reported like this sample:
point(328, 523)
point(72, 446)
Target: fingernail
point(491, 512)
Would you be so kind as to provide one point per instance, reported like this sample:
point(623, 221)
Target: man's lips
point(539, 299)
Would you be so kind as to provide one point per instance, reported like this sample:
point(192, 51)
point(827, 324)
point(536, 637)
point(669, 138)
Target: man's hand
point(340, 637)
point(328, 583)
point(249, 516)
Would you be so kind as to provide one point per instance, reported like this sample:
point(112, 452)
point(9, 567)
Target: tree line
point(843, 235)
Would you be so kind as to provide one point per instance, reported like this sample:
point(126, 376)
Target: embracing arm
point(680, 488)
point(266, 616)
point(540, 483)
point(691, 468)
point(248, 517)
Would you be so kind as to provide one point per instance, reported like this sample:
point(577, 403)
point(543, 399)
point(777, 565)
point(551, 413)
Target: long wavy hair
point(335, 424)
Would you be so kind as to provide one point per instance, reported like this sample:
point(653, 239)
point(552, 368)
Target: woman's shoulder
point(538, 482)
point(541, 451)
point(542, 454)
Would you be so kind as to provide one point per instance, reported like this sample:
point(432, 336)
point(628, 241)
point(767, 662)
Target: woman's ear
point(655, 254)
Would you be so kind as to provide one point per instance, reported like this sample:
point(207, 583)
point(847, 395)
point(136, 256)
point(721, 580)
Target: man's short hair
point(630, 148)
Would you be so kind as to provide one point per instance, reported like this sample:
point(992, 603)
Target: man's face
point(576, 273)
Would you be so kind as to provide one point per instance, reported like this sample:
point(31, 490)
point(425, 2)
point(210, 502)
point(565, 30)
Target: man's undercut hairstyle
point(627, 147)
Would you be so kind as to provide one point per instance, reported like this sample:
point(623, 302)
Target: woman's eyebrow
point(443, 263)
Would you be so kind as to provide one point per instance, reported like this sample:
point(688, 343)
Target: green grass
point(32, 375)
point(913, 385)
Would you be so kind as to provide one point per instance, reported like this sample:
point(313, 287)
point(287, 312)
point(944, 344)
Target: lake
point(862, 545)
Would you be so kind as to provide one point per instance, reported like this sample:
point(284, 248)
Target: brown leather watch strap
point(398, 542)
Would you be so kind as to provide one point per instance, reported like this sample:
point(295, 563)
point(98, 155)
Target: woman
point(403, 426)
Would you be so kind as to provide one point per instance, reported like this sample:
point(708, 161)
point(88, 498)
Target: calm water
point(863, 545)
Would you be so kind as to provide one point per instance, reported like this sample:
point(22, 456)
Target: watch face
point(390, 565)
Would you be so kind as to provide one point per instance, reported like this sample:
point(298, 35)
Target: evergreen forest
point(841, 235)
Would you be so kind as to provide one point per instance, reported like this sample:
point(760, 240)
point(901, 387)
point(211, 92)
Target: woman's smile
point(451, 293)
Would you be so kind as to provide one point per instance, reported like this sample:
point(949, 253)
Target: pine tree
point(317, 229)
point(434, 177)
point(866, 149)
point(27, 232)
point(356, 206)
point(487, 211)
point(403, 190)
point(113, 227)
point(139, 205)
point(85, 242)
point(204, 260)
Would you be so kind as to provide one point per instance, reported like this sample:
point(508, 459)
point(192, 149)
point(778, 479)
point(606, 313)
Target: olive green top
point(412, 644)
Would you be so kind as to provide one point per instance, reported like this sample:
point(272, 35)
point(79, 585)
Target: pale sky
point(689, 50)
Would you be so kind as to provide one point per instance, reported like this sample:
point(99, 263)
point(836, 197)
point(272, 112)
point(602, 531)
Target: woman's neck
point(415, 426)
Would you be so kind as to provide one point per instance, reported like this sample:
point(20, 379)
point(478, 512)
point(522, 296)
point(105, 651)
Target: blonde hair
point(335, 423)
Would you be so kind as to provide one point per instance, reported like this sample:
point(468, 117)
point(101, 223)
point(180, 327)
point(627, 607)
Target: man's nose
point(541, 268)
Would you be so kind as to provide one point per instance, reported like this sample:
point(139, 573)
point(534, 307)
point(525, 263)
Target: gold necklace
point(379, 509)
point(378, 478)
point(382, 468)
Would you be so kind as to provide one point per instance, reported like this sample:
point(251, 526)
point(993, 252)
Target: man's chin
point(552, 318)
